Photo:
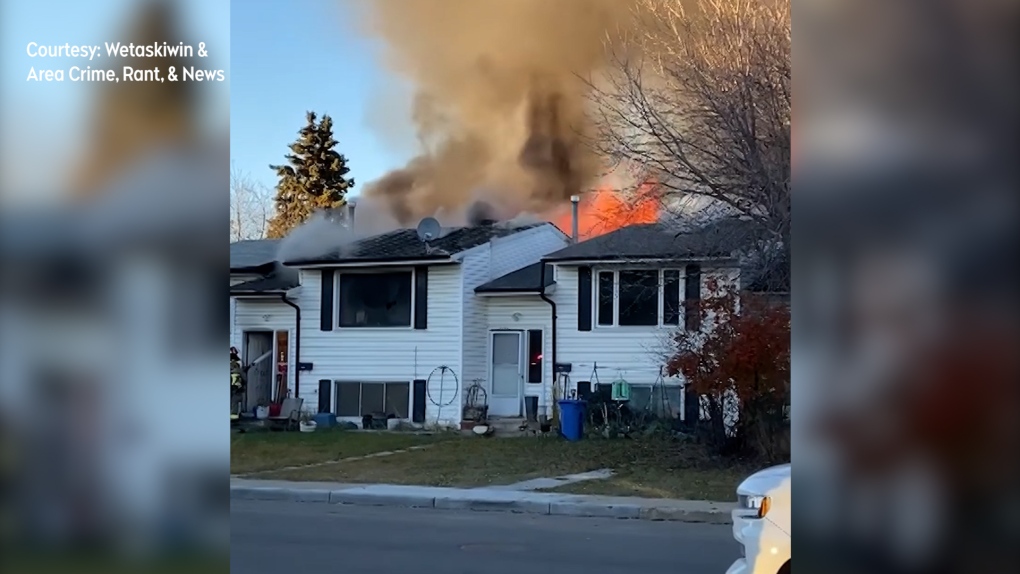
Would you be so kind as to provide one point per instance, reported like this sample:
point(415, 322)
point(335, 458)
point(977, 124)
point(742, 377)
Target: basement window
point(376, 299)
point(357, 399)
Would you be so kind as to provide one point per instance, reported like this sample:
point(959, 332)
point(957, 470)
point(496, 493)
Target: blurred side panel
point(906, 381)
point(112, 297)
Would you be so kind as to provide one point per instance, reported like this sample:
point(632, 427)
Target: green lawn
point(259, 451)
point(715, 484)
point(650, 467)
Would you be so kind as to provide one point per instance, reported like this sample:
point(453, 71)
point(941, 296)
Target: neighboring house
point(513, 309)
point(616, 299)
point(263, 318)
point(381, 319)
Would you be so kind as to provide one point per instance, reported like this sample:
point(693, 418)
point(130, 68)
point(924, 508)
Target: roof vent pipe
point(574, 201)
point(351, 204)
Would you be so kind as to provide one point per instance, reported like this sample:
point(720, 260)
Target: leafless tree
point(699, 97)
point(251, 207)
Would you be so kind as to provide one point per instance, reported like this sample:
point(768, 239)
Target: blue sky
point(289, 57)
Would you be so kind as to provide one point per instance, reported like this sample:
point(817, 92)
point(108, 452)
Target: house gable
point(382, 346)
point(398, 263)
point(420, 318)
point(484, 264)
point(620, 298)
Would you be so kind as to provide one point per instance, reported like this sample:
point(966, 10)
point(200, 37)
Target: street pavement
point(282, 537)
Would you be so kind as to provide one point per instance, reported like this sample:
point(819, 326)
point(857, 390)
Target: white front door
point(506, 375)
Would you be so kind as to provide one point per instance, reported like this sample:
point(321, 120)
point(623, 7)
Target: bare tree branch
point(251, 207)
point(701, 99)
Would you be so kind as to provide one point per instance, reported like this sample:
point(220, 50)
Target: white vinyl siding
point(266, 314)
point(634, 353)
point(387, 354)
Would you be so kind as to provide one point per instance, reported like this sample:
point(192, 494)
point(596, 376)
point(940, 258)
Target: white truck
point(761, 522)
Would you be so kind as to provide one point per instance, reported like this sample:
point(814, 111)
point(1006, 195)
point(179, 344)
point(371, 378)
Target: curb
point(579, 508)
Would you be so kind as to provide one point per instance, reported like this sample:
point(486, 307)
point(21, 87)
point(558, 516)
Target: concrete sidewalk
point(491, 499)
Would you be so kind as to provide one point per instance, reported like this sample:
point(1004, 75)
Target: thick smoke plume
point(499, 104)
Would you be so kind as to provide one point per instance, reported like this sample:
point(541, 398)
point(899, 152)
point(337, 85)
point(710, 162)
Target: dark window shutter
point(326, 304)
point(692, 298)
point(418, 401)
point(421, 297)
point(325, 395)
point(584, 298)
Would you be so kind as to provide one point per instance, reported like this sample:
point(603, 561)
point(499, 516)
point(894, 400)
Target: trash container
point(572, 419)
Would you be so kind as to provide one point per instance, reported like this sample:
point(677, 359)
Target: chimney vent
point(351, 204)
point(574, 201)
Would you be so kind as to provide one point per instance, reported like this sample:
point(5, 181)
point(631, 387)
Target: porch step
point(512, 426)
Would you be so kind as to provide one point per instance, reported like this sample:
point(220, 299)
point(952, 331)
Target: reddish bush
point(742, 351)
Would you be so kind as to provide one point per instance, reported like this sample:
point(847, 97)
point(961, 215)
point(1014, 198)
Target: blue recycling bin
point(325, 420)
point(572, 419)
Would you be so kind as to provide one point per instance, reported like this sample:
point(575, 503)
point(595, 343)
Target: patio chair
point(290, 414)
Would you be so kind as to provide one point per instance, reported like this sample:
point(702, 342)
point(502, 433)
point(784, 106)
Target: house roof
point(524, 280)
point(404, 245)
point(252, 254)
point(773, 277)
point(658, 241)
point(279, 281)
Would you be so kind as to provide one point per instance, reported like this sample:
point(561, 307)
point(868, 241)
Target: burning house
point(404, 323)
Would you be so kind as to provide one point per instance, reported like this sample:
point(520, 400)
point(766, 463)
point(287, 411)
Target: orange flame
point(605, 210)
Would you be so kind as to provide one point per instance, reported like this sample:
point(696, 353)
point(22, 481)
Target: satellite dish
point(429, 229)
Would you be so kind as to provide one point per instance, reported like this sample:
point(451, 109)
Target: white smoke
point(328, 233)
point(317, 237)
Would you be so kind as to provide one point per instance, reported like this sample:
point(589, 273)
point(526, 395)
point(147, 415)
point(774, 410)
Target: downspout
point(297, 344)
point(552, 306)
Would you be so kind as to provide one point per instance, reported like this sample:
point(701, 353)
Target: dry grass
point(260, 451)
point(648, 467)
point(715, 484)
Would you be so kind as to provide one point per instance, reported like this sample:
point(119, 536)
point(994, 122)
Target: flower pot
point(308, 426)
point(274, 409)
point(262, 412)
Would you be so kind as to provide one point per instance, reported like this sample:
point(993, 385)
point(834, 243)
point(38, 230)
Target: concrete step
point(515, 426)
point(506, 424)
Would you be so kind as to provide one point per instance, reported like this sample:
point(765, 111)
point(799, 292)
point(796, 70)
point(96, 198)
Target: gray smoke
point(498, 102)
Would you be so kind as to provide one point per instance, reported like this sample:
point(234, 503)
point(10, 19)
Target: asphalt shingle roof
point(526, 279)
point(254, 253)
point(658, 241)
point(404, 245)
point(277, 282)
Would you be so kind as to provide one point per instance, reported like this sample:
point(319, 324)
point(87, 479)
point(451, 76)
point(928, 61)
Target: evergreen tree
point(313, 178)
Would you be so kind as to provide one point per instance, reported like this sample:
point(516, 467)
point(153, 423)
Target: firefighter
point(238, 384)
